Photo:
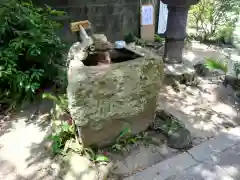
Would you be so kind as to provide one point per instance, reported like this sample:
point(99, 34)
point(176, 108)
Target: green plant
point(30, 50)
point(63, 139)
point(94, 156)
point(214, 19)
point(214, 64)
point(159, 39)
point(126, 138)
point(139, 42)
point(129, 37)
point(60, 108)
point(60, 100)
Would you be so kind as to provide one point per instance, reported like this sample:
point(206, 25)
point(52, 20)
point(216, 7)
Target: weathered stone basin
point(103, 100)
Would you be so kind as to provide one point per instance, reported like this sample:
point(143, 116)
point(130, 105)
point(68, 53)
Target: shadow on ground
point(206, 109)
point(22, 138)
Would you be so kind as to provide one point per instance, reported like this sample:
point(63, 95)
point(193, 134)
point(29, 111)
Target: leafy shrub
point(214, 19)
point(129, 37)
point(159, 39)
point(30, 51)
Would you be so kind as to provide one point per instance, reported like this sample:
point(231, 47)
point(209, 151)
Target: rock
point(232, 81)
point(101, 43)
point(202, 70)
point(178, 136)
point(180, 139)
point(104, 100)
point(237, 96)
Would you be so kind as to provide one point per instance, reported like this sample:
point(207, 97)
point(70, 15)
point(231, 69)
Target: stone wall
point(114, 18)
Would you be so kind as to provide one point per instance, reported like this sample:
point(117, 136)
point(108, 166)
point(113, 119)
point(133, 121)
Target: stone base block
point(182, 73)
point(173, 51)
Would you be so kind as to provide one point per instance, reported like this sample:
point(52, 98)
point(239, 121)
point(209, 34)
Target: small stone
point(180, 139)
point(202, 70)
point(178, 136)
point(157, 138)
point(48, 146)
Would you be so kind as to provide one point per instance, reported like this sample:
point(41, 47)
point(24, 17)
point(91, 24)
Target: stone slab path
point(216, 159)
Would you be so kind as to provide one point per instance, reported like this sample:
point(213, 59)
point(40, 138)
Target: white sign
point(147, 15)
point(162, 19)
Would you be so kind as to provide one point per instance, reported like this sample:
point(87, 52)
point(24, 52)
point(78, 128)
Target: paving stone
point(203, 172)
point(165, 169)
point(212, 147)
point(229, 160)
point(138, 159)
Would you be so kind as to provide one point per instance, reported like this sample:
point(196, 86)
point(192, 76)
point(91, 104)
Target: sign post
point(147, 22)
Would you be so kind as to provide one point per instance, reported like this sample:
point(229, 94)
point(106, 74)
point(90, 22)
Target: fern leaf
point(214, 64)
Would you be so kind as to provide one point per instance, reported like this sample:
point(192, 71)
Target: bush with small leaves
point(30, 50)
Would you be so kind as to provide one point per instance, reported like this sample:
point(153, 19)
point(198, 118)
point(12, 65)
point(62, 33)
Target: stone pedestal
point(176, 29)
point(175, 34)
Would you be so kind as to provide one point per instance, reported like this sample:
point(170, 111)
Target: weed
point(214, 64)
point(126, 138)
point(129, 37)
point(159, 39)
point(62, 139)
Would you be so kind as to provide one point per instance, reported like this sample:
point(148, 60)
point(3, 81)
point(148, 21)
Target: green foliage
point(126, 138)
point(101, 158)
point(64, 135)
point(140, 42)
point(129, 37)
point(159, 39)
point(60, 100)
point(30, 51)
point(214, 19)
point(94, 156)
point(214, 64)
point(60, 111)
point(62, 139)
